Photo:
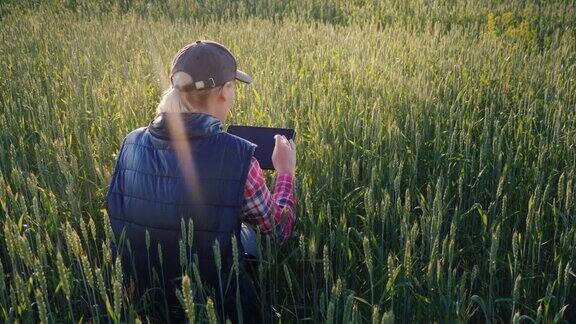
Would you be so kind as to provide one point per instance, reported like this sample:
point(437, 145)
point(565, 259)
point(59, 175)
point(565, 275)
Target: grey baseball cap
point(209, 64)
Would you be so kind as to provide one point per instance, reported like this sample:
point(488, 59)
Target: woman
point(184, 167)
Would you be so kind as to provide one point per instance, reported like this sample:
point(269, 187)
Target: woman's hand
point(284, 155)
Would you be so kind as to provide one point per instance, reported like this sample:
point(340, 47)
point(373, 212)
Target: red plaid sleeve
point(262, 209)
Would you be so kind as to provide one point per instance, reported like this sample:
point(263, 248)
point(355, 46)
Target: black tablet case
point(264, 138)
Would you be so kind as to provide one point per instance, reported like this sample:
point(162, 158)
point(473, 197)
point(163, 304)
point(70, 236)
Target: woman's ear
point(228, 92)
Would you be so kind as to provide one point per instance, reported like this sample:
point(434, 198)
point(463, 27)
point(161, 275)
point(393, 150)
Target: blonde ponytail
point(177, 101)
point(171, 102)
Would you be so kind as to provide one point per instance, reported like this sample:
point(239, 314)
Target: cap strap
point(198, 85)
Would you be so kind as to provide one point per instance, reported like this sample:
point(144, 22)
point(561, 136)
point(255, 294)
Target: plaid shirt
point(262, 209)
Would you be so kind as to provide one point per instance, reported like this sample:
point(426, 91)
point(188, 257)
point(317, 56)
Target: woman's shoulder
point(135, 135)
point(239, 140)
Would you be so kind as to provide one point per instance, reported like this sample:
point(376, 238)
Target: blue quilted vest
point(182, 166)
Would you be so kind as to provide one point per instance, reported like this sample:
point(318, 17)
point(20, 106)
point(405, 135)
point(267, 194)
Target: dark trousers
point(166, 306)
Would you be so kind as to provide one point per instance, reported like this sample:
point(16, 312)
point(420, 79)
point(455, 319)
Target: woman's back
point(154, 190)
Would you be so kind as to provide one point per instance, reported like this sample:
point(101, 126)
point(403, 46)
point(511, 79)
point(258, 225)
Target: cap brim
point(243, 76)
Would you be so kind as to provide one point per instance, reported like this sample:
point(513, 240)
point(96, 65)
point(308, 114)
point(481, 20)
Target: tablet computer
point(263, 137)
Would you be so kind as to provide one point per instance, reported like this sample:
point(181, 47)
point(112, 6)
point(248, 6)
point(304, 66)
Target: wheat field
point(436, 175)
